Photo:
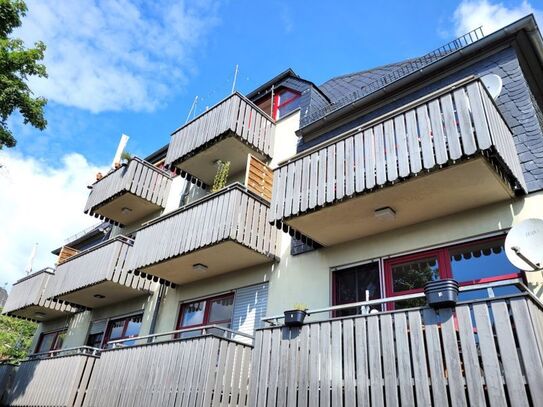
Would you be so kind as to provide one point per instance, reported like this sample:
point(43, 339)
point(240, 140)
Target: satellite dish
point(493, 83)
point(524, 245)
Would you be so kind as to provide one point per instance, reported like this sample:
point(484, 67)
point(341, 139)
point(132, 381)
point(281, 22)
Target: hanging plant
point(221, 177)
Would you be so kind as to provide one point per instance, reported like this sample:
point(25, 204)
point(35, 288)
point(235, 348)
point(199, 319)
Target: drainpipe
point(160, 296)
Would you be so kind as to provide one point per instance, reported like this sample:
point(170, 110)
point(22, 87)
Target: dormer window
point(285, 101)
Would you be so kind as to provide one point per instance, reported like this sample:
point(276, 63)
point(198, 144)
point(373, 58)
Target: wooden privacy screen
point(65, 253)
point(259, 178)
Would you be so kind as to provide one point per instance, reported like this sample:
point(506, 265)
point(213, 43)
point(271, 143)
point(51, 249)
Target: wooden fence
point(259, 178)
point(236, 115)
point(203, 371)
point(29, 292)
point(138, 177)
point(231, 213)
point(103, 262)
point(439, 129)
point(54, 381)
point(65, 253)
point(479, 354)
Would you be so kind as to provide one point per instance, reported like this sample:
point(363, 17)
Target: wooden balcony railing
point(224, 231)
point(28, 300)
point(478, 353)
point(97, 272)
point(206, 370)
point(7, 372)
point(52, 380)
point(235, 115)
point(146, 185)
point(448, 126)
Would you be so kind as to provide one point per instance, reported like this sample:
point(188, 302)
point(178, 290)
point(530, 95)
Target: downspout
point(160, 296)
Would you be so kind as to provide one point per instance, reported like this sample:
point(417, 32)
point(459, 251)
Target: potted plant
point(296, 316)
point(221, 177)
point(441, 293)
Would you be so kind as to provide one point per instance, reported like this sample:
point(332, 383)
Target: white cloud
point(110, 55)
point(39, 204)
point(492, 16)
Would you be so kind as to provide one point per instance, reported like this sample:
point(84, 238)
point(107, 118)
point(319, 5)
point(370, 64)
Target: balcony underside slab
point(112, 292)
point(139, 208)
point(203, 164)
point(30, 313)
point(220, 258)
point(443, 192)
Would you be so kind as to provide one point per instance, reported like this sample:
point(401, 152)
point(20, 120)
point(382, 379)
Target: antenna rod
point(31, 259)
point(192, 108)
point(235, 78)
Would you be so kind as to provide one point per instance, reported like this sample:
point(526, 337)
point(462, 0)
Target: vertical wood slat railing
point(29, 291)
point(137, 177)
point(449, 125)
point(55, 381)
point(103, 262)
point(230, 214)
point(203, 371)
point(7, 372)
point(234, 114)
point(482, 353)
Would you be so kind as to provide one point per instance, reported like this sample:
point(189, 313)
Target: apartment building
point(358, 190)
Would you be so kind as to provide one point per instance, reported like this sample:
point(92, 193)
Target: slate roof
point(341, 86)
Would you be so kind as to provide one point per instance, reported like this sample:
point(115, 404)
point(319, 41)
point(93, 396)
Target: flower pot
point(294, 317)
point(441, 293)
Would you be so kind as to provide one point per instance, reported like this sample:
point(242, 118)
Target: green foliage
point(300, 307)
point(15, 338)
point(126, 156)
point(17, 64)
point(221, 177)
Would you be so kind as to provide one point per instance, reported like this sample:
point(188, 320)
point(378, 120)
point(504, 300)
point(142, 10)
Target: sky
point(135, 67)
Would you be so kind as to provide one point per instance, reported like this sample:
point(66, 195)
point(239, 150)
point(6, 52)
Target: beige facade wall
point(306, 278)
point(169, 309)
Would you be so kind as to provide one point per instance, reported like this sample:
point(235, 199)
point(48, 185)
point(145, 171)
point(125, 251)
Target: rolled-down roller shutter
point(250, 305)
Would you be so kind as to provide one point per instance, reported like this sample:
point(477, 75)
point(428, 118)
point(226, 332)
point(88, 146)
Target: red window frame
point(125, 327)
point(445, 270)
point(55, 344)
point(277, 105)
point(207, 310)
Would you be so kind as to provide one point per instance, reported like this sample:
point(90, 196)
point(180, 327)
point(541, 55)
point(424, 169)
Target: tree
point(17, 64)
point(15, 337)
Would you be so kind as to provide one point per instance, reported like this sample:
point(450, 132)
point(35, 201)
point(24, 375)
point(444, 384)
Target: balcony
point(129, 193)
point(27, 300)
point(221, 232)
point(228, 131)
point(478, 353)
point(447, 152)
point(207, 370)
point(97, 276)
point(56, 378)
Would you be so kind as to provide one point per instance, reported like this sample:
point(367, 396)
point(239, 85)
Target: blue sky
point(134, 67)
point(318, 39)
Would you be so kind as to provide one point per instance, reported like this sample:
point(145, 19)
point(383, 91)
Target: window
point(50, 341)
point(124, 328)
point(285, 101)
point(355, 284)
point(211, 311)
point(468, 263)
